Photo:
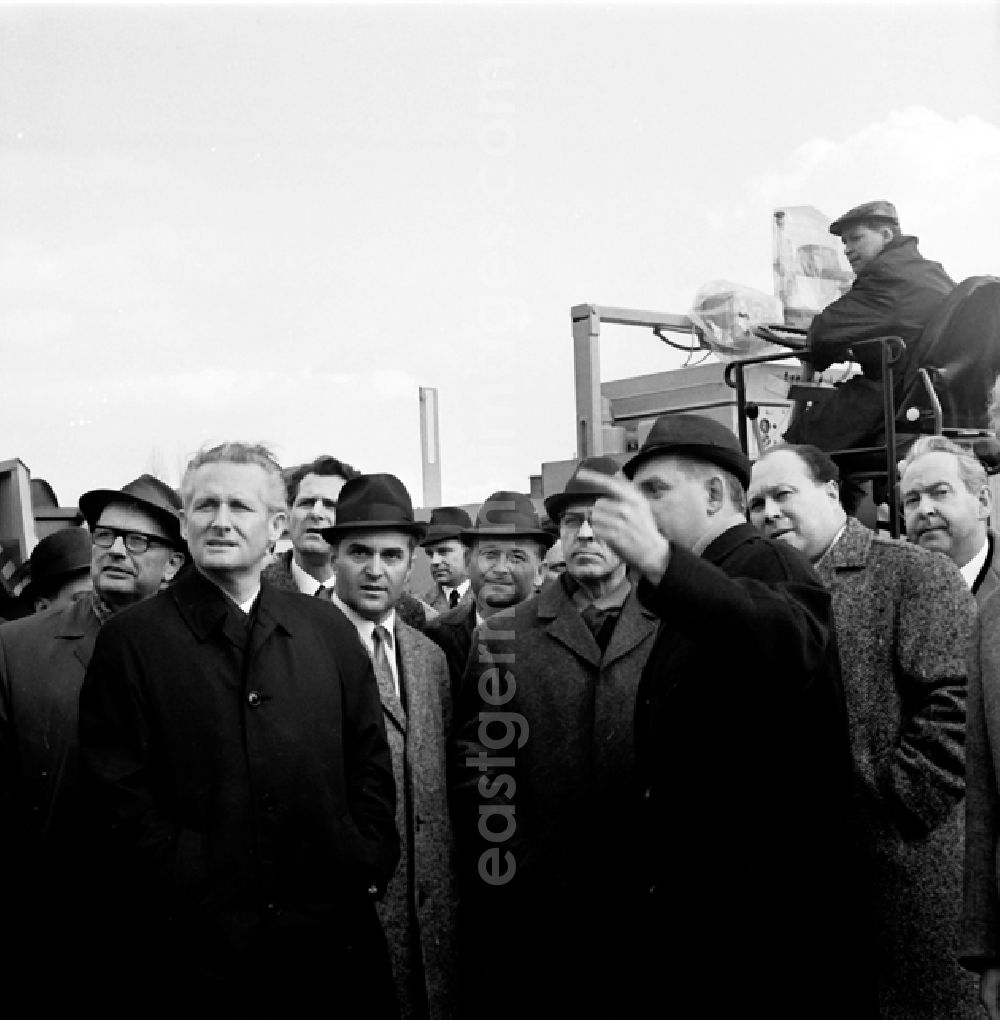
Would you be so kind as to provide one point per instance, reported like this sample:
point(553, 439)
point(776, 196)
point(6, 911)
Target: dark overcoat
point(904, 616)
point(743, 750)
point(240, 768)
point(894, 295)
point(419, 910)
point(452, 633)
point(43, 659)
point(545, 936)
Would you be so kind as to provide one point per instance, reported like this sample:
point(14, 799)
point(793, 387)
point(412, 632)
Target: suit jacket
point(991, 579)
point(435, 598)
point(240, 772)
point(418, 912)
point(743, 750)
point(452, 633)
point(279, 573)
point(903, 617)
point(570, 788)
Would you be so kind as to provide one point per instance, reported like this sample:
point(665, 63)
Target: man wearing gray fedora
point(449, 558)
point(373, 544)
point(743, 752)
point(571, 661)
point(135, 547)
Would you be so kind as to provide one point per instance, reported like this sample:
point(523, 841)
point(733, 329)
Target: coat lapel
point(565, 624)
point(80, 626)
point(392, 705)
point(635, 624)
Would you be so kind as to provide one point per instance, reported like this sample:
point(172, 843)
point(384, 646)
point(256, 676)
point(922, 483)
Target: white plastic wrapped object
point(726, 315)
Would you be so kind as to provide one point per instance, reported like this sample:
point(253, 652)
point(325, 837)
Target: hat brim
point(92, 505)
point(734, 462)
point(441, 533)
point(59, 577)
point(838, 227)
point(470, 535)
point(338, 531)
point(555, 505)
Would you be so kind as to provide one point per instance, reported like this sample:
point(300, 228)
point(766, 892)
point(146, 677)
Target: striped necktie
point(380, 660)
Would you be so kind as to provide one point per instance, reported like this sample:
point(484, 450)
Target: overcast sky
point(276, 223)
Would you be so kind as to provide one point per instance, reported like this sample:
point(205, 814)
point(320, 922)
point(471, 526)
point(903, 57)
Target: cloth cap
point(152, 495)
point(695, 436)
point(869, 211)
point(371, 502)
point(576, 490)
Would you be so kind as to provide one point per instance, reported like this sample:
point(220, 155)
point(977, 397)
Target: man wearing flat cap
point(742, 743)
point(135, 546)
point(895, 292)
point(235, 763)
point(373, 546)
point(507, 546)
point(449, 558)
point(565, 877)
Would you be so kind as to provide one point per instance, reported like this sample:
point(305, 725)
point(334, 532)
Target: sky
point(276, 223)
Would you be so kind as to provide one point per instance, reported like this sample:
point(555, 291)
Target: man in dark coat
point(741, 741)
point(895, 292)
point(559, 878)
point(43, 658)
point(234, 755)
point(506, 550)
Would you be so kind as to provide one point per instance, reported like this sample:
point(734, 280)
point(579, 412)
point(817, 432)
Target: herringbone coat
point(903, 618)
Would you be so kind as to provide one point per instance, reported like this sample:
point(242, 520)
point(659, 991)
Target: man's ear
point(715, 486)
point(174, 563)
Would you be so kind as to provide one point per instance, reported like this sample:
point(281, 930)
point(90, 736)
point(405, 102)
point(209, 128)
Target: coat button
point(253, 699)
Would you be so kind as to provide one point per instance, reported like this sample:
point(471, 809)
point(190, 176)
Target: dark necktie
point(601, 623)
point(322, 592)
point(380, 660)
point(453, 598)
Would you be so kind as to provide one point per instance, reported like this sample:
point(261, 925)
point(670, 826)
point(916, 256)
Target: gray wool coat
point(418, 911)
point(903, 617)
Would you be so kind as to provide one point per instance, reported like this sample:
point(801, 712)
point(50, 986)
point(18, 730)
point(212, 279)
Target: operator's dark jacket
point(241, 770)
point(743, 752)
point(894, 295)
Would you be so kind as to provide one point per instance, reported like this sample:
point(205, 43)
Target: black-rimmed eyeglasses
point(135, 541)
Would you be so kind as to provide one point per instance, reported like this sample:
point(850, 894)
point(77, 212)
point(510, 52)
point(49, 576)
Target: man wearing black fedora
point(135, 547)
point(742, 745)
point(449, 558)
point(373, 544)
point(237, 771)
point(59, 568)
point(313, 490)
point(571, 661)
point(506, 546)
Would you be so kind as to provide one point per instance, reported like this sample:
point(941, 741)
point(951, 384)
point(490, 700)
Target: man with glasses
point(137, 548)
point(570, 659)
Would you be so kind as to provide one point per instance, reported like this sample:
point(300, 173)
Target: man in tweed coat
point(903, 619)
point(373, 545)
point(572, 659)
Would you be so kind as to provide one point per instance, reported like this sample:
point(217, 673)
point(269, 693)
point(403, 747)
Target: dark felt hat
point(369, 502)
point(577, 491)
point(446, 522)
point(508, 515)
point(59, 556)
point(695, 436)
point(152, 495)
point(884, 211)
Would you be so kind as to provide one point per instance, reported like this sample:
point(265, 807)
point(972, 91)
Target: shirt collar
point(305, 582)
point(366, 627)
point(972, 569)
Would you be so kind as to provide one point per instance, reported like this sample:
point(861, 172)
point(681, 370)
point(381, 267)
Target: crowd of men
point(694, 737)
